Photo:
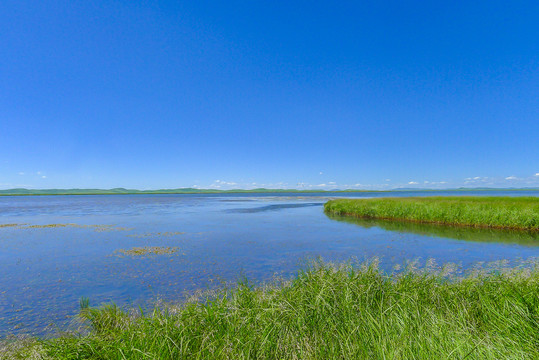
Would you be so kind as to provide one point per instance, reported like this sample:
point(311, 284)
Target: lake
point(56, 249)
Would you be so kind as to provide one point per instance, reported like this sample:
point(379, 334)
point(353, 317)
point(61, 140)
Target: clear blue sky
point(243, 94)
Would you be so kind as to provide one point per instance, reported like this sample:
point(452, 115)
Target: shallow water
point(211, 240)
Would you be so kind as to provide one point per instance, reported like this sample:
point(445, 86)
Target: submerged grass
point(148, 250)
point(495, 212)
point(10, 225)
point(157, 234)
point(326, 312)
point(97, 228)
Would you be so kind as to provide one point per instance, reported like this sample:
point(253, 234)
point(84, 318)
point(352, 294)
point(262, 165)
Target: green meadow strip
point(326, 312)
point(495, 212)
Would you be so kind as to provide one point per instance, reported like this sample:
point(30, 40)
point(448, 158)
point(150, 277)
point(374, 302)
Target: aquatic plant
point(98, 227)
point(157, 234)
point(10, 225)
point(148, 250)
point(495, 212)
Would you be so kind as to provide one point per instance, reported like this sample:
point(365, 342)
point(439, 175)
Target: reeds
point(496, 212)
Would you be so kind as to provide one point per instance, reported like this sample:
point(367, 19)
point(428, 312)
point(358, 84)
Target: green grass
point(481, 211)
point(326, 312)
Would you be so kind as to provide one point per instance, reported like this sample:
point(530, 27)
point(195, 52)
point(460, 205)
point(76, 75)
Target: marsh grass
point(327, 312)
point(480, 211)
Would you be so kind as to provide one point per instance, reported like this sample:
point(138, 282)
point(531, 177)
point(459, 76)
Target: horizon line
point(190, 190)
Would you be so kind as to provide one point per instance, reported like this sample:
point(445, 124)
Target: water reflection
point(526, 238)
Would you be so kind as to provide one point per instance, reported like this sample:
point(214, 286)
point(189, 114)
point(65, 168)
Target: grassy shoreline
point(326, 312)
point(519, 213)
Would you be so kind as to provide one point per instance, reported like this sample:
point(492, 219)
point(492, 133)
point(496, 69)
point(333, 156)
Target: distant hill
point(22, 191)
point(468, 189)
point(118, 191)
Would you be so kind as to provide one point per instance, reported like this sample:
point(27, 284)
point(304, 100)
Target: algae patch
point(147, 250)
point(98, 228)
point(49, 226)
point(11, 225)
point(157, 234)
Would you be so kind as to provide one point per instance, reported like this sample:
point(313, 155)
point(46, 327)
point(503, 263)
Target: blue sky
point(287, 94)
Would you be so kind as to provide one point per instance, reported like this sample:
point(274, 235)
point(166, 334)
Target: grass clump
point(495, 212)
point(327, 312)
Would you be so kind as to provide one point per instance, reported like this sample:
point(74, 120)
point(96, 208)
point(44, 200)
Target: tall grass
point(497, 212)
point(326, 312)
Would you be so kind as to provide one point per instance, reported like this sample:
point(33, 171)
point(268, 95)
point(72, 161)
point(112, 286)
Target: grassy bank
point(326, 312)
point(496, 212)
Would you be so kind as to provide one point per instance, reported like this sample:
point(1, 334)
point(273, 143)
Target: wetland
point(136, 250)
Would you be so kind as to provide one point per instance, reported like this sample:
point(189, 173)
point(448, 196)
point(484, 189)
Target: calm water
point(44, 271)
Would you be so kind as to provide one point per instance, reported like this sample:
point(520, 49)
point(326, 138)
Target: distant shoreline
point(184, 191)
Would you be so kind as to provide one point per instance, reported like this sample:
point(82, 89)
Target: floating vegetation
point(10, 225)
point(157, 234)
point(50, 226)
point(147, 250)
point(101, 228)
point(98, 228)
